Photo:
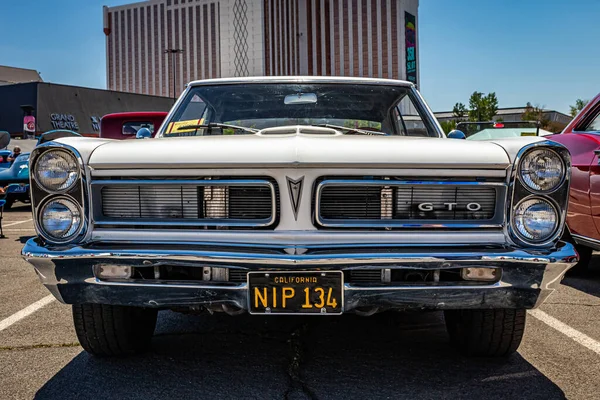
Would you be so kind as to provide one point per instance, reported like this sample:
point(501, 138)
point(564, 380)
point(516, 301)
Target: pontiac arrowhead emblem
point(295, 190)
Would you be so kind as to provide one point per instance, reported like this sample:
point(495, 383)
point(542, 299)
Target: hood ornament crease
point(295, 191)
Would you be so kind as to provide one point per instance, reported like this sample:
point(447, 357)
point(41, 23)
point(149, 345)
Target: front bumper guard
point(528, 276)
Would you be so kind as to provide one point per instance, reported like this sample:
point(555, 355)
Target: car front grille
point(215, 203)
point(394, 203)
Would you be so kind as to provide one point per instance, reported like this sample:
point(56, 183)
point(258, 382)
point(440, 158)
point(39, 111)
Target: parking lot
point(400, 355)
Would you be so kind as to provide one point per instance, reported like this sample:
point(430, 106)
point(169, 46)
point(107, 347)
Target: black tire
point(585, 257)
point(486, 333)
point(105, 330)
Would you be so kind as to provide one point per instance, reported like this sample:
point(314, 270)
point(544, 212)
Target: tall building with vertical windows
point(156, 46)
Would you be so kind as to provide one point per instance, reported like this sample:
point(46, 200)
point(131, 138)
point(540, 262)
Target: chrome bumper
point(528, 276)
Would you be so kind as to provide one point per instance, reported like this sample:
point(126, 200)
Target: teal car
point(15, 179)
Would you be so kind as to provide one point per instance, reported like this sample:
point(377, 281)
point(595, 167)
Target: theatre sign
point(64, 121)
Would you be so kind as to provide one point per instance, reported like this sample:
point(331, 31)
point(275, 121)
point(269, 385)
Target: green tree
point(579, 104)
point(482, 107)
point(447, 126)
point(460, 110)
point(536, 113)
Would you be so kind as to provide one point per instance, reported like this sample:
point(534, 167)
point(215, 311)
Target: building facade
point(229, 38)
point(556, 121)
point(49, 106)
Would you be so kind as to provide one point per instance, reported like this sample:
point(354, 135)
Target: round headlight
point(542, 170)
point(56, 170)
point(60, 219)
point(535, 219)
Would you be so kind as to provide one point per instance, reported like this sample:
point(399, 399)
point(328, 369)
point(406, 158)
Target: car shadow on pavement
point(588, 281)
point(24, 239)
point(391, 355)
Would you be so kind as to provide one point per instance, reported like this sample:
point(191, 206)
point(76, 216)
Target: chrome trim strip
point(352, 171)
point(300, 238)
point(430, 255)
point(103, 221)
point(495, 222)
point(586, 241)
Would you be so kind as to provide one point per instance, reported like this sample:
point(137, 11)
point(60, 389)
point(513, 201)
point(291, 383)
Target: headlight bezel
point(529, 187)
point(557, 222)
point(39, 224)
point(519, 191)
point(79, 193)
point(68, 154)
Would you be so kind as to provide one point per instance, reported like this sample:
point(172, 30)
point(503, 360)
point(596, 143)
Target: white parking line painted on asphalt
point(17, 223)
point(565, 329)
point(16, 317)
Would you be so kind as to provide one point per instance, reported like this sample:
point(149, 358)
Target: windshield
point(498, 130)
point(248, 108)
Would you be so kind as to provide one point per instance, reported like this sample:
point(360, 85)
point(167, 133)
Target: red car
point(125, 125)
point(582, 138)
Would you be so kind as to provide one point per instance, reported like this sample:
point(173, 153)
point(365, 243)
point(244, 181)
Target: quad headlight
point(542, 170)
point(535, 219)
point(56, 171)
point(60, 219)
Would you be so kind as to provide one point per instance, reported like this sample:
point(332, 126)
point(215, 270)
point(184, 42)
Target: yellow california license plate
point(295, 292)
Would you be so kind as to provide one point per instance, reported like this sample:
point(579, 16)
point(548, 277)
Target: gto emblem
point(449, 206)
point(295, 190)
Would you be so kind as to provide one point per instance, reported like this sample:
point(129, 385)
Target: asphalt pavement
point(388, 356)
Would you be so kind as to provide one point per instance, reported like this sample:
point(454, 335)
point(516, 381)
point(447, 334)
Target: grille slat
point(157, 201)
point(405, 202)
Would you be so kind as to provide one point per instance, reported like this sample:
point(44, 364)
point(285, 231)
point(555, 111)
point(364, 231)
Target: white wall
point(255, 39)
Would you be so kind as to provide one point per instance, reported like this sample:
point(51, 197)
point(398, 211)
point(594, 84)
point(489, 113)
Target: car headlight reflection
point(56, 170)
point(542, 170)
point(60, 219)
point(535, 219)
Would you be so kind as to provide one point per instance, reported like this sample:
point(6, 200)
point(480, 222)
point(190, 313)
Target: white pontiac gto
point(299, 195)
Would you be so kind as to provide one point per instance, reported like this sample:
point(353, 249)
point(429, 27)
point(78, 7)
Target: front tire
point(105, 330)
point(486, 333)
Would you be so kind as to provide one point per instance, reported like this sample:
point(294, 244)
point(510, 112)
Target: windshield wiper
point(353, 130)
point(217, 125)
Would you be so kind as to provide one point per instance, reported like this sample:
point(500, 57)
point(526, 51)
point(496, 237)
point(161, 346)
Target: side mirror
point(143, 133)
point(4, 139)
point(456, 134)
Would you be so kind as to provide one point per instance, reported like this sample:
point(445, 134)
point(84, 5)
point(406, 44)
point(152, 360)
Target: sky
point(541, 51)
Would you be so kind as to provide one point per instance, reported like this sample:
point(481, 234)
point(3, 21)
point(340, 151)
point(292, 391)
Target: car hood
point(295, 150)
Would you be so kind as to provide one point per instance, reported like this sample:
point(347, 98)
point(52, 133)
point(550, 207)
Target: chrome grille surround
point(386, 203)
point(218, 203)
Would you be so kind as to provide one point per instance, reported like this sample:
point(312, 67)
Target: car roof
point(301, 79)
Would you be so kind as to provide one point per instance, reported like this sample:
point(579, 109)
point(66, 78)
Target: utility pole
point(173, 53)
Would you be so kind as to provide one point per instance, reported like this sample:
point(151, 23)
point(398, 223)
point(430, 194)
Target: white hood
point(298, 150)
